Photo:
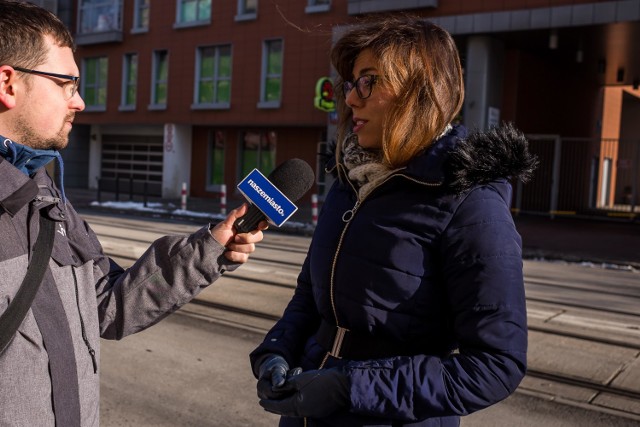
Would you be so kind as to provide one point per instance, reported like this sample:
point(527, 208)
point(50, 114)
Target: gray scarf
point(366, 170)
point(365, 167)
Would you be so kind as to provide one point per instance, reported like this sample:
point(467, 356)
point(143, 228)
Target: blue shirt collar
point(28, 160)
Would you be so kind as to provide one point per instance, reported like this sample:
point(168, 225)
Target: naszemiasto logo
point(266, 197)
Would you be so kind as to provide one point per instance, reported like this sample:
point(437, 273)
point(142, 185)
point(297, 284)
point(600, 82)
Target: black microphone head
point(293, 178)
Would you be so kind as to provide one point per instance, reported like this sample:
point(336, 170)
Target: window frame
point(220, 105)
point(266, 138)
point(155, 81)
point(212, 160)
point(100, 87)
point(91, 10)
point(138, 7)
point(127, 83)
point(265, 75)
point(314, 6)
point(180, 22)
point(243, 15)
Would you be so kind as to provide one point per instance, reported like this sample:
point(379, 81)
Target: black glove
point(272, 374)
point(316, 394)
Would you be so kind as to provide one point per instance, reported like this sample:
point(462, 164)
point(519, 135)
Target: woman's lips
point(358, 124)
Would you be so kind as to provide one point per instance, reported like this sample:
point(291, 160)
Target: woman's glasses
point(363, 85)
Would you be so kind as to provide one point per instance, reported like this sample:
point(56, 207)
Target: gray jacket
point(84, 296)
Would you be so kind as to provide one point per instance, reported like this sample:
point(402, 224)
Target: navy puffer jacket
point(430, 265)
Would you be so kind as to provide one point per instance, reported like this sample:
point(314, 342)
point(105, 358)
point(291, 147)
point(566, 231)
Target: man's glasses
point(363, 85)
point(68, 88)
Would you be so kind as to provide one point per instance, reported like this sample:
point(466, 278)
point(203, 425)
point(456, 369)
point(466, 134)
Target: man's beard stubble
point(27, 136)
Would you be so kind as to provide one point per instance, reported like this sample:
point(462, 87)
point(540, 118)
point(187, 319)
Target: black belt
point(342, 343)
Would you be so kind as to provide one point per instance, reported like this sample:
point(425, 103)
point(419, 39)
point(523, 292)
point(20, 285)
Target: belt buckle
point(337, 342)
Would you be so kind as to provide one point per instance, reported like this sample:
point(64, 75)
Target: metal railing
point(580, 176)
point(128, 186)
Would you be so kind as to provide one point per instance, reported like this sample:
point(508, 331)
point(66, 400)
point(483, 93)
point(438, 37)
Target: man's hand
point(239, 246)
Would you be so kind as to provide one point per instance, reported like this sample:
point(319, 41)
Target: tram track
point(592, 388)
point(577, 316)
point(540, 327)
point(583, 306)
point(590, 385)
point(624, 291)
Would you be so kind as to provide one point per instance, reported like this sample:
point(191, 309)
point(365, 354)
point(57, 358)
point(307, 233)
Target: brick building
point(202, 91)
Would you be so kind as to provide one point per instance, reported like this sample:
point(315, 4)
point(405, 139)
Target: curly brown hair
point(420, 66)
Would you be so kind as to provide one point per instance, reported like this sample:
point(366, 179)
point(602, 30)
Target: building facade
point(200, 91)
point(203, 91)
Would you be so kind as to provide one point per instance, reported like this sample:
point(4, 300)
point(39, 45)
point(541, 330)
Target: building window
point(215, 160)
point(193, 12)
point(247, 10)
point(99, 16)
point(94, 83)
point(141, 15)
point(160, 80)
point(257, 151)
point(271, 86)
point(315, 6)
point(129, 81)
point(213, 77)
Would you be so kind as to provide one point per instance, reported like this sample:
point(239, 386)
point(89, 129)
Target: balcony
point(357, 7)
point(99, 22)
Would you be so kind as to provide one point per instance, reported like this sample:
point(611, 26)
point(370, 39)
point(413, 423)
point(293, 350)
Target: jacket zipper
point(346, 218)
point(92, 352)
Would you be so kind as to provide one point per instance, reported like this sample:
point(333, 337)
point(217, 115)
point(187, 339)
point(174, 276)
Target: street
point(192, 368)
point(186, 371)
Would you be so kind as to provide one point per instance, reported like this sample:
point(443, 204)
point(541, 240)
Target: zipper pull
point(348, 215)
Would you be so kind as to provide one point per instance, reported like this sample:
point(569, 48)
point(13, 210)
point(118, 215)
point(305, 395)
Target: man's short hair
point(23, 27)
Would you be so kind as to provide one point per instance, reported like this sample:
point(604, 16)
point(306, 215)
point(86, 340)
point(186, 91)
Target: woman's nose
point(352, 99)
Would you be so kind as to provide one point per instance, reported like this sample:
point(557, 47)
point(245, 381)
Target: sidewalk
point(596, 363)
point(563, 238)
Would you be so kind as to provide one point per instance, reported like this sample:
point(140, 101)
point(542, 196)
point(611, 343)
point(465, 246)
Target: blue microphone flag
point(267, 197)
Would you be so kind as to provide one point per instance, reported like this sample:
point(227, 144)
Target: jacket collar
point(30, 160)
point(26, 159)
point(461, 160)
point(430, 166)
point(17, 189)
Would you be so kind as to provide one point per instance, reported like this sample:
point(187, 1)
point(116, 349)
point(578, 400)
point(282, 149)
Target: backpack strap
point(17, 310)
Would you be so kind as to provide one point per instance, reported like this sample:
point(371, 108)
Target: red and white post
point(223, 199)
point(183, 197)
point(314, 209)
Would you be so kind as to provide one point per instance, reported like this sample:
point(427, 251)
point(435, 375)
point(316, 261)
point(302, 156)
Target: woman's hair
point(420, 65)
point(23, 27)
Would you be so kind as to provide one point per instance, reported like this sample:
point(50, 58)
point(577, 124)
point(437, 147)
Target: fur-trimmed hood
point(497, 153)
point(461, 160)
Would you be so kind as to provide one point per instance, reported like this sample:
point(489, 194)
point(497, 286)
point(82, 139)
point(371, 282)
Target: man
point(49, 372)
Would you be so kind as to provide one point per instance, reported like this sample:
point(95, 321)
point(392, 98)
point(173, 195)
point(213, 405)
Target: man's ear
point(7, 87)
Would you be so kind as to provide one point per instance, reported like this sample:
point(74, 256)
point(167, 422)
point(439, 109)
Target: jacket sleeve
point(299, 321)
point(482, 270)
point(172, 271)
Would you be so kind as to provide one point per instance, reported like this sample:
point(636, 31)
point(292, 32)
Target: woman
point(410, 307)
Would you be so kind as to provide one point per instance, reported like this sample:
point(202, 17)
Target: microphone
point(272, 198)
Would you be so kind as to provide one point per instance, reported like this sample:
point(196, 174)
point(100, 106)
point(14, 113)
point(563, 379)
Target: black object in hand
point(272, 374)
point(316, 394)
